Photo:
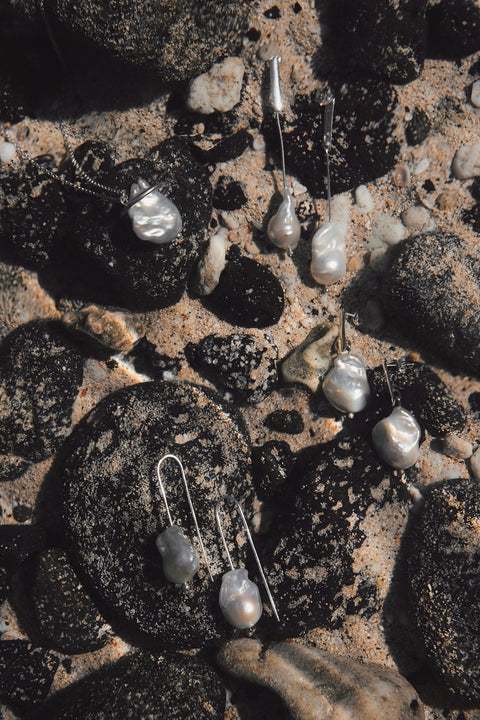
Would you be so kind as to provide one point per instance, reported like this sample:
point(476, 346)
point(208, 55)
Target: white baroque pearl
point(180, 559)
point(328, 255)
point(284, 228)
point(346, 385)
point(396, 438)
point(240, 600)
point(154, 218)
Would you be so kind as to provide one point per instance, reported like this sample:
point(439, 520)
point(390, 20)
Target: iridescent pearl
point(346, 385)
point(240, 600)
point(328, 255)
point(396, 438)
point(180, 559)
point(284, 228)
point(155, 218)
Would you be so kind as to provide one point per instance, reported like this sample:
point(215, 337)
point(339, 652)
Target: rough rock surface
point(26, 673)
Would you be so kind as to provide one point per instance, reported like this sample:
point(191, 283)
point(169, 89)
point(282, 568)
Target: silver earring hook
point(327, 146)
point(394, 394)
point(344, 345)
point(192, 509)
point(232, 499)
point(276, 102)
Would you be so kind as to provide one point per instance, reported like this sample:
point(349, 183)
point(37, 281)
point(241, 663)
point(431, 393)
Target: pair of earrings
point(239, 597)
point(328, 245)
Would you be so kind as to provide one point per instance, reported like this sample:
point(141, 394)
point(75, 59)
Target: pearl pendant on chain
point(154, 217)
point(346, 384)
point(284, 227)
point(240, 600)
point(328, 255)
point(396, 439)
point(180, 559)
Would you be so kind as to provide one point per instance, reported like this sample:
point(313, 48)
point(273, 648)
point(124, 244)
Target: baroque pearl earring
point(346, 385)
point(180, 559)
point(283, 228)
point(239, 596)
point(328, 245)
point(396, 438)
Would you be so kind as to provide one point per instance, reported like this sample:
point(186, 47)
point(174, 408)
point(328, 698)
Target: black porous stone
point(5, 577)
point(141, 687)
point(272, 462)
point(26, 673)
point(248, 294)
point(273, 13)
point(443, 564)
point(113, 508)
point(155, 365)
point(18, 542)
point(227, 149)
point(384, 38)
point(40, 375)
point(67, 619)
point(12, 467)
point(243, 364)
point(228, 194)
point(362, 109)
point(21, 513)
point(418, 127)
point(285, 421)
point(311, 560)
point(432, 290)
point(454, 28)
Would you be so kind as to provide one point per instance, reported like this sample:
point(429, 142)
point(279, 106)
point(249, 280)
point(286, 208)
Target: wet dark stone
point(40, 374)
point(155, 365)
point(312, 557)
point(285, 421)
point(113, 508)
point(418, 127)
point(454, 28)
point(272, 462)
point(26, 673)
point(12, 467)
point(22, 513)
point(18, 542)
point(472, 217)
point(228, 194)
point(68, 621)
point(243, 364)
point(248, 293)
point(443, 562)
point(227, 149)
point(273, 13)
point(140, 687)
point(432, 290)
point(385, 38)
point(361, 109)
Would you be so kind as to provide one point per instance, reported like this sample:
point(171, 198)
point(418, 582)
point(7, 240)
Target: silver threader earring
point(180, 559)
point(283, 228)
point(239, 597)
point(396, 438)
point(328, 245)
point(346, 385)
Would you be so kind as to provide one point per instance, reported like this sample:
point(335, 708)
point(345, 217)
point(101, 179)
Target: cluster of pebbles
point(213, 347)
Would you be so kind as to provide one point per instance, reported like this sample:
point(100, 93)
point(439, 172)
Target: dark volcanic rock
point(228, 194)
point(433, 292)
point(67, 619)
point(12, 467)
point(244, 364)
point(26, 673)
point(5, 576)
point(148, 361)
point(362, 109)
point(418, 127)
point(285, 421)
point(227, 149)
point(141, 687)
point(472, 217)
point(384, 38)
point(454, 28)
point(444, 559)
point(248, 294)
point(273, 462)
point(18, 542)
point(40, 374)
point(113, 507)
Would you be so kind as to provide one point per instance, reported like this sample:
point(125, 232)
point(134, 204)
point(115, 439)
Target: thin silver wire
point(394, 394)
point(230, 498)
point(327, 145)
point(282, 150)
point(192, 509)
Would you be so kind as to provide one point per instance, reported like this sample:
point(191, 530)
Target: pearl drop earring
point(239, 596)
point(328, 245)
point(180, 559)
point(396, 438)
point(283, 228)
point(345, 385)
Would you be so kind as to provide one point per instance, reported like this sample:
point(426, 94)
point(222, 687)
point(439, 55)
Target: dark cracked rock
point(40, 374)
point(141, 687)
point(26, 673)
point(443, 553)
point(113, 507)
point(433, 291)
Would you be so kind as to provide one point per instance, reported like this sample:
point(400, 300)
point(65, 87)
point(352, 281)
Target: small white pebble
point(416, 217)
point(229, 220)
point(363, 199)
point(475, 463)
point(421, 166)
point(7, 151)
point(212, 264)
point(456, 447)
point(386, 229)
point(466, 163)
point(475, 93)
point(218, 89)
point(258, 143)
point(298, 188)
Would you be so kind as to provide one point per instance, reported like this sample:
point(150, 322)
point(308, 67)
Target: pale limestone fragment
point(218, 89)
point(311, 360)
point(212, 264)
point(466, 163)
point(386, 230)
point(417, 217)
point(111, 330)
point(457, 447)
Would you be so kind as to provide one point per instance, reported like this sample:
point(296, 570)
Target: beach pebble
point(457, 447)
point(218, 89)
point(475, 93)
point(310, 361)
point(363, 199)
point(308, 681)
point(418, 127)
point(386, 230)
point(272, 464)
point(243, 364)
point(401, 175)
point(466, 162)
point(449, 200)
point(211, 264)
point(105, 329)
point(416, 217)
point(7, 152)
point(475, 463)
point(289, 422)
point(442, 554)
point(26, 673)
